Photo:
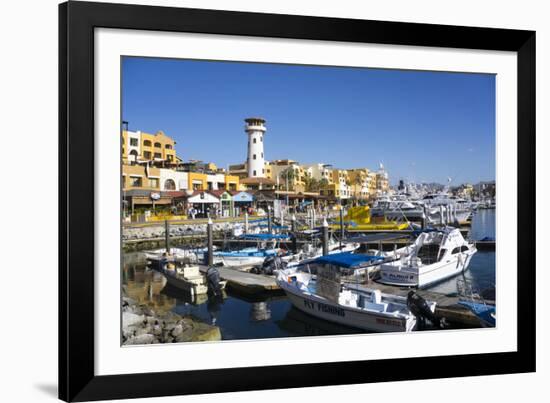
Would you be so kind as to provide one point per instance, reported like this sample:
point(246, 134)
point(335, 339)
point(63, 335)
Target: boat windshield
point(428, 253)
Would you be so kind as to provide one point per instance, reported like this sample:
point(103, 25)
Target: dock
point(246, 283)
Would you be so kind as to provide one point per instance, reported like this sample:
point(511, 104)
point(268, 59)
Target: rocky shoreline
point(142, 325)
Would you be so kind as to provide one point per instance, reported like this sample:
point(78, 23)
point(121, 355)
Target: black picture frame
point(77, 21)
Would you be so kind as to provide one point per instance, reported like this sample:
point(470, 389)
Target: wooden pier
point(246, 283)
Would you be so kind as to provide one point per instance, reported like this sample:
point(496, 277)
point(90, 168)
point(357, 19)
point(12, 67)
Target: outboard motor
point(420, 308)
point(213, 281)
point(269, 265)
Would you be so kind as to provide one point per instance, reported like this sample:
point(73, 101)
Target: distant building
point(140, 147)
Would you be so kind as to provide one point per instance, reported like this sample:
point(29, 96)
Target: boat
point(252, 256)
point(435, 255)
point(187, 278)
point(480, 303)
point(359, 218)
point(175, 254)
point(315, 288)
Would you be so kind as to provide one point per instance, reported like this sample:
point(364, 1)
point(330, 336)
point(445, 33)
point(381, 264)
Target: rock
point(141, 339)
point(129, 319)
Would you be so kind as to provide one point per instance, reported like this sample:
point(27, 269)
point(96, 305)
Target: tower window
point(263, 171)
point(262, 155)
point(254, 173)
point(254, 157)
point(254, 141)
point(262, 139)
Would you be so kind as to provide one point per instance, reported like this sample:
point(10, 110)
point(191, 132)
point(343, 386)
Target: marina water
point(241, 317)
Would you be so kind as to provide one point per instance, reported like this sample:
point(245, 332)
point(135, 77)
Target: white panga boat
point(323, 295)
point(434, 256)
point(189, 279)
point(176, 254)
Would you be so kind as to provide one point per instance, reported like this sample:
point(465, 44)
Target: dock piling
point(269, 227)
point(246, 222)
point(341, 227)
point(210, 242)
point(293, 231)
point(167, 236)
point(325, 237)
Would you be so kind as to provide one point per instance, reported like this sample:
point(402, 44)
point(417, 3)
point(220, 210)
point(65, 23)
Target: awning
point(264, 237)
point(371, 238)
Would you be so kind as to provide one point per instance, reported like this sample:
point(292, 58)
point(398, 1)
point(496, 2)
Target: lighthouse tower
point(255, 129)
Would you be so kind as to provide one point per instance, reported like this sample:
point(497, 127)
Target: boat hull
point(424, 276)
point(357, 318)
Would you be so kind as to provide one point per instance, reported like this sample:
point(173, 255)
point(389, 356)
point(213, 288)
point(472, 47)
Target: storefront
point(226, 203)
point(242, 201)
point(202, 204)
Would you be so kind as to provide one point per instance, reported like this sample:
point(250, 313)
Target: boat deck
point(447, 305)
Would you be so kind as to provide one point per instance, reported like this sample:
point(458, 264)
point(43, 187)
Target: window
point(197, 186)
point(254, 140)
point(168, 146)
point(158, 145)
point(169, 184)
point(158, 155)
point(464, 248)
point(221, 185)
point(146, 143)
point(147, 155)
point(455, 250)
point(134, 142)
point(262, 155)
point(135, 181)
point(133, 155)
point(153, 182)
point(263, 171)
point(254, 157)
point(210, 187)
point(170, 157)
point(254, 173)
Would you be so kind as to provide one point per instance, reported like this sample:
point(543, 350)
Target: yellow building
point(359, 182)
point(140, 177)
point(140, 147)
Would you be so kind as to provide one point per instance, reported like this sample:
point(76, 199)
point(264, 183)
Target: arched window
point(146, 143)
point(158, 145)
point(169, 184)
point(262, 139)
point(168, 146)
point(133, 155)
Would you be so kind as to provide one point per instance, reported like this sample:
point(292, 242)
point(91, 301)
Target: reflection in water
point(259, 311)
point(240, 317)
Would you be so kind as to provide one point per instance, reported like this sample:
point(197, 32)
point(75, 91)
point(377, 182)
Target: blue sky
point(423, 126)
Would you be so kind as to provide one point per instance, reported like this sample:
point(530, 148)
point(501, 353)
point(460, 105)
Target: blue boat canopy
point(264, 237)
point(347, 259)
point(273, 226)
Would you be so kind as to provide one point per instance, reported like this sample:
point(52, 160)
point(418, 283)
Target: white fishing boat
point(323, 295)
point(434, 256)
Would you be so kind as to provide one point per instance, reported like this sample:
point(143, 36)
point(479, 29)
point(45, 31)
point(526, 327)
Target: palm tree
point(288, 175)
point(357, 181)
